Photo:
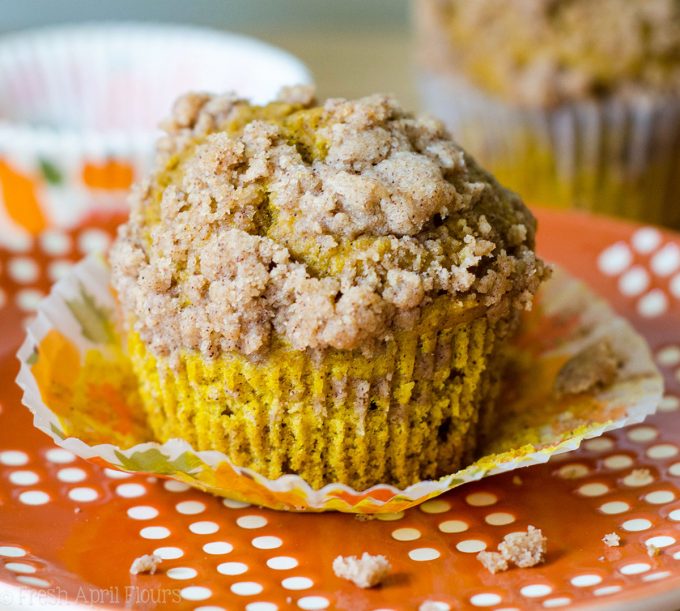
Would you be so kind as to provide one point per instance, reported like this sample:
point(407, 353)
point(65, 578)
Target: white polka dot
point(58, 270)
point(607, 590)
point(13, 458)
point(668, 356)
point(204, 527)
point(636, 524)
point(251, 522)
point(24, 478)
point(470, 546)
point(662, 450)
point(552, 603)
point(267, 542)
point(218, 547)
point(181, 572)
point(674, 469)
point(453, 526)
point(169, 553)
point(635, 568)
point(642, 433)
point(659, 497)
point(195, 593)
point(667, 260)
point(573, 471)
point(406, 534)
point(33, 581)
point(599, 444)
point(260, 606)
point(593, 489)
point(232, 504)
point(142, 512)
point(93, 240)
point(481, 499)
point(660, 541)
point(674, 515)
point(435, 506)
point(12, 551)
point(83, 494)
point(23, 270)
point(232, 568)
point(674, 286)
point(638, 478)
point(190, 508)
point(115, 474)
point(423, 554)
point(34, 497)
point(584, 581)
point(436, 605)
point(59, 456)
point(499, 518)
point(618, 461)
point(312, 603)
point(653, 304)
point(130, 491)
point(28, 299)
point(71, 475)
point(246, 588)
point(297, 583)
point(634, 281)
point(656, 576)
point(535, 590)
point(389, 517)
point(615, 259)
point(645, 240)
point(55, 242)
point(20, 567)
point(172, 485)
point(485, 599)
point(282, 563)
point(154, 532)
point(3, 298)
point(614, 507)
point(669, 403)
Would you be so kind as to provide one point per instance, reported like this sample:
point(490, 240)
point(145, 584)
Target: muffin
point(569, 102)
point(324, 290)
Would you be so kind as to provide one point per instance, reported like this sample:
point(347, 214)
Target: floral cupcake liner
point(79, 385)
point(619, 155)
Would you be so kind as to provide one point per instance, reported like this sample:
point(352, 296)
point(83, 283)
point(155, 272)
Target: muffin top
point(544, 52)
point(313, 226)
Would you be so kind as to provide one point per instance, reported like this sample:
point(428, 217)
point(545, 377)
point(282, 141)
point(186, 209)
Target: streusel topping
point(319, 226)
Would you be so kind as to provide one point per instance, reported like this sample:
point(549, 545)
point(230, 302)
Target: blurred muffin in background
point(569, 102)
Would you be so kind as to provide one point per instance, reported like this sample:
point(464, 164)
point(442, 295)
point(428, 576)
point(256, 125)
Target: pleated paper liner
point(78, 383)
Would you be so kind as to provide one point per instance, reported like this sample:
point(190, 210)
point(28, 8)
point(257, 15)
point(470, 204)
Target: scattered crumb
point(364, 517)
point(593, 367)
point(493, 562)
point(77, 510)
point(611, 540)
point(365, 572)
point(148, 563)
point(523, 549)
point(639, 477)
point(652, 550)
point(517, 480)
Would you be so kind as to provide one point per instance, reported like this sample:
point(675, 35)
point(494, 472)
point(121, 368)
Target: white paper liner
point(564, 303)
point(619, 155)
point(94, 93)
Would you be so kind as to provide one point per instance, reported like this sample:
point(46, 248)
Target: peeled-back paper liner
point(80, 388)
point(79, 108)
point(619, 155)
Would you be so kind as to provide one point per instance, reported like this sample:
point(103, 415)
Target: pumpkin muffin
point(324, 290)
point(569, 102)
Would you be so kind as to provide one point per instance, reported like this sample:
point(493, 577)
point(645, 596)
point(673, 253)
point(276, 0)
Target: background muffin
point(323, 290)
point(570, 102)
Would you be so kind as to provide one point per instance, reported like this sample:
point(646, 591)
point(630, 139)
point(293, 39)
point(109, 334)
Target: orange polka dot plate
point(70, 529)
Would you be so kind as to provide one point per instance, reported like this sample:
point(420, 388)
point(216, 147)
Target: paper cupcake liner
point(619, 156)
point(79, 106)
point(80, 388)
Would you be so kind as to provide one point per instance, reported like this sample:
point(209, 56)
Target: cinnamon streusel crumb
point(366, 572)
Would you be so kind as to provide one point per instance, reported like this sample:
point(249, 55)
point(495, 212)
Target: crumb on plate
point(148, 563)
point(612, 540)
point(494, 562)
point(365, 572)
point(639, 477)
point(523, 549)
point(652, 550)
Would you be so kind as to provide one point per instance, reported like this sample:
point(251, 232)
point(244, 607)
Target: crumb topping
point(593, 367)
point(366, 572)
point(612, 540)
point(523, 549)
point(639, 477)
point(544, 52)
point(148, 563)
point(323, 226)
